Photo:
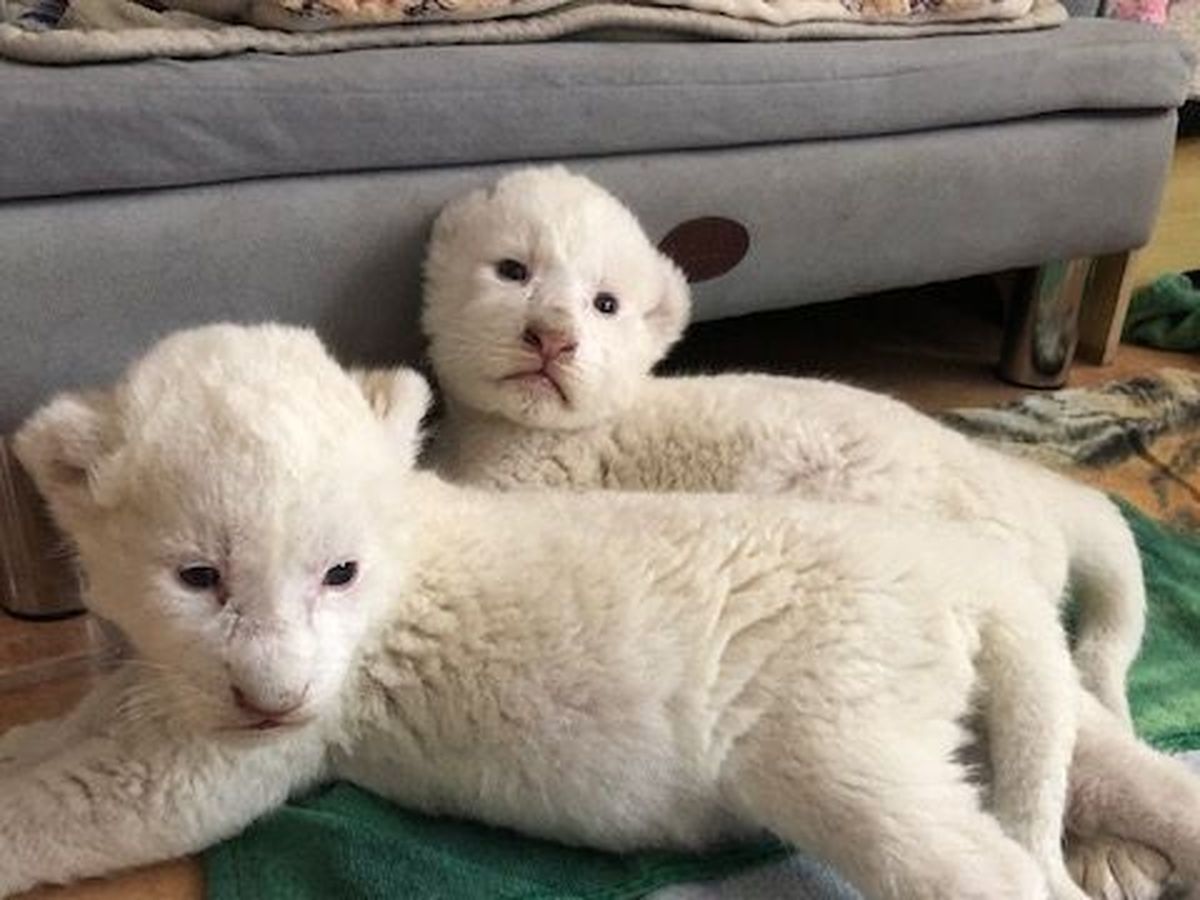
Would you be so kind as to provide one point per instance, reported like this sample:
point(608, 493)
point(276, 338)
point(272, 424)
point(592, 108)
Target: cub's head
point(232, 501)
point(545, 302)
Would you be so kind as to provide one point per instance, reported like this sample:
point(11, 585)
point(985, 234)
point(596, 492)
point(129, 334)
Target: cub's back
point(642, 576)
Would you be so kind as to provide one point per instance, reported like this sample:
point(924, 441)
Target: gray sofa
point(136, 198)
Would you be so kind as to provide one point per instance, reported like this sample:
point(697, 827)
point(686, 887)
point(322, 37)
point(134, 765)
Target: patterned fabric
point(40, 31)
point(1180, 16)
point(1153, 12)
point(43, 14)
point(340, 13)
point(1183, 17)
point(1139, 439)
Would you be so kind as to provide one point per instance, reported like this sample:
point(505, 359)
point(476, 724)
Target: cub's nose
point(549, 343)
point(278, 709)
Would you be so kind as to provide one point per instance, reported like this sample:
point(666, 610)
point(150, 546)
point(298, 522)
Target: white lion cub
point(546, 307)
point(614, 670)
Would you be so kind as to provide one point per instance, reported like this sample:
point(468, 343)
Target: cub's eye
point(199, 578)
point(606, 303)
point(512, 270)
point(341, 574)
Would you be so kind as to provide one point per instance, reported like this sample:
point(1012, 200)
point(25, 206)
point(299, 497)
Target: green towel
point(346, 843)
point(1165, 314)
point(1164, 685)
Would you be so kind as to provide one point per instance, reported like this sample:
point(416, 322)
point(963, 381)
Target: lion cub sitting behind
point(545, 308)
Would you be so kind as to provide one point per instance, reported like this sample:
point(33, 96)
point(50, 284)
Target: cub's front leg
point(130, 796)
point(24, 746)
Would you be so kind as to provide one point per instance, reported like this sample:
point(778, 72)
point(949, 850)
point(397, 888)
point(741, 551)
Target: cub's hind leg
point(1029, 702)
point(890, 811)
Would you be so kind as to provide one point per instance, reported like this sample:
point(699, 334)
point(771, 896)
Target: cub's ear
point(400, 397)
point(668, 317)
point(61, 445)
point(455, 213)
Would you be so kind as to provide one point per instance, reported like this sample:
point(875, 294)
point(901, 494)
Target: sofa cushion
point(165, 123)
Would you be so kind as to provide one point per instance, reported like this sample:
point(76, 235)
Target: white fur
point(611, 424)
point(615, 670)
point(475, 346)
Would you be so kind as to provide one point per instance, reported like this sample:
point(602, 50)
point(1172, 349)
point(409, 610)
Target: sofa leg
point(1105, 304)
point(1042, 326)
point(38, 579)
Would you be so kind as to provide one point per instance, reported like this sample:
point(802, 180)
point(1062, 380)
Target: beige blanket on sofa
point(104, 30)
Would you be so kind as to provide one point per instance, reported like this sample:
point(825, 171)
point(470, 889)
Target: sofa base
point(91, 280)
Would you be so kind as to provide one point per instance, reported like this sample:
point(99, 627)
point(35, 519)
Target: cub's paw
point(23, 745)
point(1112, 868)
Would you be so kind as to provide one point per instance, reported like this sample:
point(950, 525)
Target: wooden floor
point(935, 347)
point(1175, 244)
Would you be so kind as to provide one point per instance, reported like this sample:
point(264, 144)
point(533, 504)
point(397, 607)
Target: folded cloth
point(343, 842)
point(1165, 314)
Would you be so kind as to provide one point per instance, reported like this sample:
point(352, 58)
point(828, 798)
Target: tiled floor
point(934, 347)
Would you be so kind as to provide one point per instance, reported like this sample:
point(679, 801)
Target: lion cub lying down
point(545, 308)
point(614, 670)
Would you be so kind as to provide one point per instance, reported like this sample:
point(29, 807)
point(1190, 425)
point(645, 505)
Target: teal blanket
point(346, 843)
